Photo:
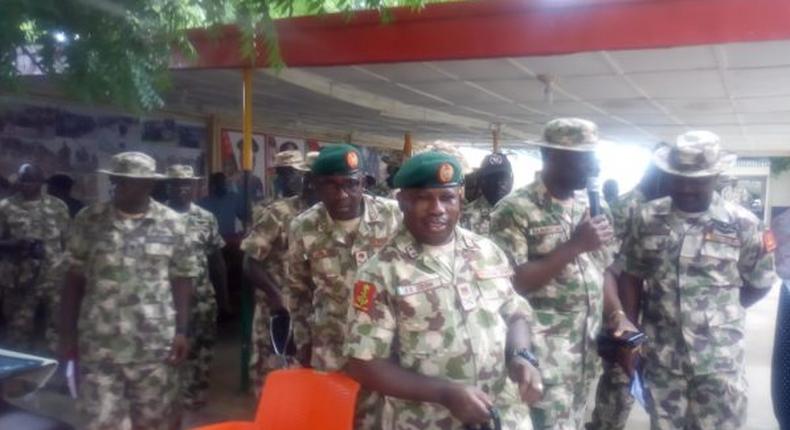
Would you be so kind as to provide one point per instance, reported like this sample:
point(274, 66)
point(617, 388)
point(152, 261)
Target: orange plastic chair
point(301, 399)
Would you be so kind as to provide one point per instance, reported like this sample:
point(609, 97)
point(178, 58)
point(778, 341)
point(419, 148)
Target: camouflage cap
point(181, 171)
point(694, 154)
point(337, 159)
point(291, 158)
point(133, 165)
point(494, 163)
point(430, 169)
point(570, 134)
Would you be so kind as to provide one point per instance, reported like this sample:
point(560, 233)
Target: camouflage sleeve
point(515, 306)
point(508, 228)
point(63, 221)
point(264, 233)
point(611, 249)
point(633, 255)
point(215, 241)
point(77, 243)
point(372, 323)
point(756, 260)
point(184, 261)
point(298, 292)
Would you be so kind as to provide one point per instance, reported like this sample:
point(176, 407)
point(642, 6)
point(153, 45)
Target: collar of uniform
point(370, 215)
point(154, 208)
point(717, 210)
point(544, 199)
point(405, 242)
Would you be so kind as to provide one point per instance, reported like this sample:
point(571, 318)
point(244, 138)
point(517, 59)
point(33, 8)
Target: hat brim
point(132, 176)
point(191, 178)
point(589, 147)
point(302, 167)
point(661, 161)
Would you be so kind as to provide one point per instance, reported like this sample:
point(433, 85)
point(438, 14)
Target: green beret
point(337, 159)
point(431, 169)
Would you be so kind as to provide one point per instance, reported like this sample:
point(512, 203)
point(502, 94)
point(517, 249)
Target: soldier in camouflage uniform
point(205, 241)
point(326, 245)
point(33, 227)
point(435, 322)
point(125, 303)
point(495, 180)
point(613, 400)
point(703, 260)
point(264, 250)
point(561, 256)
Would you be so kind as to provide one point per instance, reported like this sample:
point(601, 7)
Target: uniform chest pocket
point(544, 242)
point(720, 251)
point(419, 305)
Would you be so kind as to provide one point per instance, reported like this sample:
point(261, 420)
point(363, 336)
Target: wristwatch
point(526, 354)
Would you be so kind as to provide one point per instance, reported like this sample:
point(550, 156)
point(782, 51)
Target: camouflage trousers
point(136, 396)
point(19, 308)
point(202, 338)
point(564, 403)
point(613, 400)
point(262, 359)
point(702, 402)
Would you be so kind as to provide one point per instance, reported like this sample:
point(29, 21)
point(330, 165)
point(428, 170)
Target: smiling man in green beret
point(439, 298)
point(326, 245)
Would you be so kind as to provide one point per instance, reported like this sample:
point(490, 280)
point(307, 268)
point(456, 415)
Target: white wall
point(779, 190)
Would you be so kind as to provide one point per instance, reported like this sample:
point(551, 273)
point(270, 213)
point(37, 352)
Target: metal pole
point(407, 149)
point(247, 306)
point(495, 136)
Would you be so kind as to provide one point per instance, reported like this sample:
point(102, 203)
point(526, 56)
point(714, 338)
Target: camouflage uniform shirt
point(477, 216)
point(268, 240)
point(529, 224)
point(449, 324)
point(321, 265)
point(623, 212)
point(204, 239)
point(45, 219)
point(127, 313)
point(694, 269)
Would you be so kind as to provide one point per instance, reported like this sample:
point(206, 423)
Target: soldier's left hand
point(178, 350)
point(527, 376)
point(620, 325)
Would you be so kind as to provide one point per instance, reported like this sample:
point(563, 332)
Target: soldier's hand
point(619, 324)
point(592, 233)
point(530, 384)
point(178, 350)
point(468, 404)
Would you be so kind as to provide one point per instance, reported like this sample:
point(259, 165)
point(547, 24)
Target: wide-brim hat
point(182, 171)
point(694, 154)
point(570, 134)
point(134, 165)
point(291, 158)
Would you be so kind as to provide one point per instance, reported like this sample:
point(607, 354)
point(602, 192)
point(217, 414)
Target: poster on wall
point(78, 141)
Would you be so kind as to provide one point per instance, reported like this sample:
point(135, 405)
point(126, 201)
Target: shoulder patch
point(769, 241)
point(364, 293)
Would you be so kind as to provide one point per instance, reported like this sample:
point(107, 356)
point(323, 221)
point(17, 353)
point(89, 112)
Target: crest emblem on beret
point(445, 173)
point(352, 160)
point(495, 159)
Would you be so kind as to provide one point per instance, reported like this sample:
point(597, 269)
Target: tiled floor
point(226, 402)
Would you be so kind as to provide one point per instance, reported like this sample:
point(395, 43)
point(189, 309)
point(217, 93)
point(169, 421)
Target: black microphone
point(594, 195)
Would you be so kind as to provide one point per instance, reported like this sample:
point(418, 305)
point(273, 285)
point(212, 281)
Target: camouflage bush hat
point(694, 154)
point(291, 158)
point(430, 169)
point(570, 134)
point(337, 159)
point(494, 163)
point(181, 171)
point(133, 165)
